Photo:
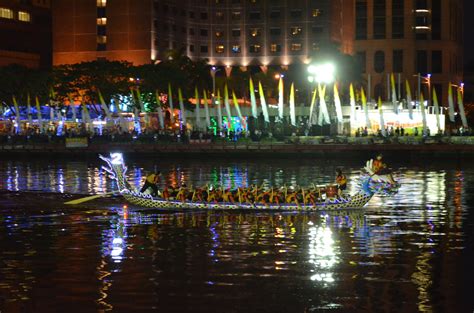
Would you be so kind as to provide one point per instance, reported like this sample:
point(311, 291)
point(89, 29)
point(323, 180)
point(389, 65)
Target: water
point(408, 253)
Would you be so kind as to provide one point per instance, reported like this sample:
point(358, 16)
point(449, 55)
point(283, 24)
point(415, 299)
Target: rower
point(182, 193)
point(152, 181)
point(341, 182)
point(309, 197)
point(263, 196)
point(381, 168)
point(166, 193)
point(228, 196)
point(377, 165)
point(291, 197)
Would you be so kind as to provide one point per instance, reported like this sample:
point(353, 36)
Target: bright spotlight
point(312, 69)
point(322, 73)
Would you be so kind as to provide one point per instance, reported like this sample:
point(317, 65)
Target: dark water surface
point(409, 253)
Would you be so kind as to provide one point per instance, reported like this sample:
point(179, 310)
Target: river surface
point(412, 252)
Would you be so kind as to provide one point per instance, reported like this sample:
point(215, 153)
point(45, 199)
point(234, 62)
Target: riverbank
point(254, 149)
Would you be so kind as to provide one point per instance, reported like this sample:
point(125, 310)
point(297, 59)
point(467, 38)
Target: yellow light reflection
point(322, 253)
point(422, 278)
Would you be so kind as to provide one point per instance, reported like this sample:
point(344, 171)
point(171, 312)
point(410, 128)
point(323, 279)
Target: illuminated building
point(409, 37)
point(253, 32)
point(404, 37)
point(25, 32)
point(227, 32)
point(114, 30)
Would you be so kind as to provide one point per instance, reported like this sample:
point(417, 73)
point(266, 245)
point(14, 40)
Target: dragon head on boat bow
point(116, 170)
point(373, 183)
point(383, 188)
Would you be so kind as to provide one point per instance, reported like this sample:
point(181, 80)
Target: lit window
point(101, 3)
point(236, 48)
point(102, 21)
point(24, 16)
point(275, 47)
point(255, 48)
point(235, 15)
point(220, 49)
point(316, 12)
point(219, 33)
point(101, 39)
point(6, 13)
point(254, 32)
point(219, 16)
point(295, 31)
point(296, 47)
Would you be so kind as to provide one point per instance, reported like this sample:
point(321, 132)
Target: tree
point(85, 79)
point(19, 81)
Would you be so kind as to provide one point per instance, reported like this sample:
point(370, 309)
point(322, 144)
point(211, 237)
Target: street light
point(426, 80)
point(214, 70)
point(459, 87)
point(321, 73)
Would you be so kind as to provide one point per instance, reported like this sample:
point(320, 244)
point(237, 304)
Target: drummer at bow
point(341, 182)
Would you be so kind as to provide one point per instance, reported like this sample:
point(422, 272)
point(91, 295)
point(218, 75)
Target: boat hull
point(353, 202)
point(367, 189)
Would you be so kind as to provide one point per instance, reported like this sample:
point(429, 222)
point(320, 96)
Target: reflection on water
point(322, 253)
point(403, 253)
point(78, 177)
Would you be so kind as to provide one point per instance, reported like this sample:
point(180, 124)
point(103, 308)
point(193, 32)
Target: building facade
point(407, 37)
point(25, 29)
point(116, 30)
point(253, 32)
point(226, 32)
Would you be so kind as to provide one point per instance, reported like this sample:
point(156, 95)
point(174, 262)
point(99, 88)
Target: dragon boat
point(369, 184)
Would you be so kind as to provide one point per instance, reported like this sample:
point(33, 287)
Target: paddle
point(82, 200)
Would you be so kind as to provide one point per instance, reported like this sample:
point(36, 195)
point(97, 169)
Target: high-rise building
point(88, 30)
point(404, 37)
point(252, 32)
point(408, 37)
point(227, 32)
point(25, 32)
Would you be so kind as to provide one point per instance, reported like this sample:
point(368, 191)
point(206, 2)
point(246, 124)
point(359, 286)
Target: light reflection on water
point(404, 252)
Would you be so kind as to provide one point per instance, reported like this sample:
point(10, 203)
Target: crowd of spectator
point(54, 133)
